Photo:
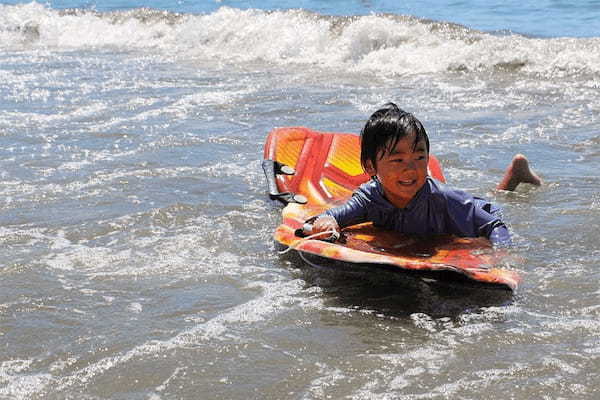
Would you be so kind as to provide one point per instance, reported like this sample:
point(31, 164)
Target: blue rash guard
point(436, 209)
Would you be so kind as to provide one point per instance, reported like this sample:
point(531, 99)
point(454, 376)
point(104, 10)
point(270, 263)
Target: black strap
point(273, 168)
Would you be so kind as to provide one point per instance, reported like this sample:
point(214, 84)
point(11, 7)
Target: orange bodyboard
point(327, 170)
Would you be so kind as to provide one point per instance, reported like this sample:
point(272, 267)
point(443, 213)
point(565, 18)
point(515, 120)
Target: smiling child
point(401, 196)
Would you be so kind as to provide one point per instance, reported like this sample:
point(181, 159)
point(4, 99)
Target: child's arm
point(472, 216)
point(500, 236)
point(488, 219)
point(350, 213)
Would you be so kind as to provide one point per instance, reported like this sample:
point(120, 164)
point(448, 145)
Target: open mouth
point(409, 182)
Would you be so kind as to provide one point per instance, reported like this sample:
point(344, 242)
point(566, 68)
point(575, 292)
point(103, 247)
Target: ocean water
point(137, 255)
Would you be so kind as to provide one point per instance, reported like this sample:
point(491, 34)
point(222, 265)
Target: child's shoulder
point(370, 191)
point(370, 186)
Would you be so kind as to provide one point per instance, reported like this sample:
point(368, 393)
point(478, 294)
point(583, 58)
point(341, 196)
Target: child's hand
point(325, 223)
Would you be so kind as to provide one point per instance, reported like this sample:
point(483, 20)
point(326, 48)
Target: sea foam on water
point(385, 44)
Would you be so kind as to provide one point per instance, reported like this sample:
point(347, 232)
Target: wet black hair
point(384, 129)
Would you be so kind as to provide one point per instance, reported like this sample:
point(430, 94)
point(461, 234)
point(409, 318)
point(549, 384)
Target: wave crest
point(386, 44)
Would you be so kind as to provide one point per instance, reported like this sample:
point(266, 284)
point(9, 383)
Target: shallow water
point(138, 260)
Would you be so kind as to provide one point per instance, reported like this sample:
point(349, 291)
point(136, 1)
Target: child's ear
point(369, 169)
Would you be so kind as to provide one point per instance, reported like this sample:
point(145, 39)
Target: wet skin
point(401, 171)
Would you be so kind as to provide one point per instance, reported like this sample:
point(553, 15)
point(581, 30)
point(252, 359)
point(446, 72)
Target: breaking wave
point(385, 43)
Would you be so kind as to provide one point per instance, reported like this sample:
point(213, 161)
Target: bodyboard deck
point(326, 170)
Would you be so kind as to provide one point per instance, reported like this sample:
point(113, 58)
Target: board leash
point(294, 245)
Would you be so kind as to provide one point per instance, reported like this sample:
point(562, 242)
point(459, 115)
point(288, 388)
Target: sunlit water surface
point(138, 260)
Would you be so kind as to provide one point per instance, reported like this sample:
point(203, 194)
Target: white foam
point(185, 106)
point(17, 381)
point(327, 377)
point(386, 44)
point(275, 298)
point(135, 307)
point(14, 384)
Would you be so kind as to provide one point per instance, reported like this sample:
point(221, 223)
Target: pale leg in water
point(518, 172)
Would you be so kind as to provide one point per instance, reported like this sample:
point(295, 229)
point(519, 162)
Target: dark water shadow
point(393, 293)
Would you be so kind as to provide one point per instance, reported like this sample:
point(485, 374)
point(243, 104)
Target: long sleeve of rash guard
point(435, 210)
point(350, 213)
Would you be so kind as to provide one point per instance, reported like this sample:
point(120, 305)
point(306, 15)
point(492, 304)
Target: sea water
point(137, 254)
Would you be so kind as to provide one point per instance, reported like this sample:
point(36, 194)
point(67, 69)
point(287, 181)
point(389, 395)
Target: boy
point(402, 197)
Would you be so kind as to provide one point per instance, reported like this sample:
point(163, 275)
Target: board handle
point(273, 168)
point(307, 233)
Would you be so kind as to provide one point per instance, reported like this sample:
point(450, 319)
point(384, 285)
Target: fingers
point(325, 223)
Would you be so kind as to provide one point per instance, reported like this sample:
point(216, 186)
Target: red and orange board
point(326, 171)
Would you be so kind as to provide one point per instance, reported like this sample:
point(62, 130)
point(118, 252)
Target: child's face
point(402, 171)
